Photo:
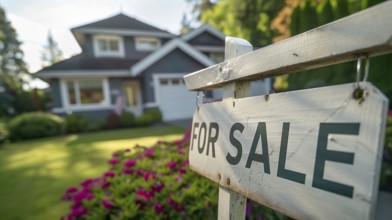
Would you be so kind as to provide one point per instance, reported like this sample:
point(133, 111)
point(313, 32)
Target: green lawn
point(34, 174)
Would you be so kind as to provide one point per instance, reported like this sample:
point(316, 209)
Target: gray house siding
point(175, 62)
point(88, 46)
point(207, 39)
point(114, 89)
point(55, 93)
point(92, 115)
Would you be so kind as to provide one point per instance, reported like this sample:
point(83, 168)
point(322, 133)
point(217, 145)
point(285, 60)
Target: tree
point(248, 19)
point(52, 53)
point(13, 69)
point(305, 18)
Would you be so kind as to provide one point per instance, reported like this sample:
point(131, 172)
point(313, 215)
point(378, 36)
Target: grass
point(35, 174)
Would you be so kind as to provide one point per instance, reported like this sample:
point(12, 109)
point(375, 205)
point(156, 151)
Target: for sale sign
point(311, 154)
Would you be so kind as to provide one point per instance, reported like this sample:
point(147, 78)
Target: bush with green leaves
point(149, 117)
point(35, 125)
point(76, 123)
point(386, 170)
point(3, 132)
point(155, 113)
point(127, 119)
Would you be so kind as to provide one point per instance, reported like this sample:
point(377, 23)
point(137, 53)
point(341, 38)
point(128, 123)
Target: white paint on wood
point(232, 205)
point(368, 32)
point(304, 110)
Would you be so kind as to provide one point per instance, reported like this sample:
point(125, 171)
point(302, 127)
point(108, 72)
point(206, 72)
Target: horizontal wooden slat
point(367, 33)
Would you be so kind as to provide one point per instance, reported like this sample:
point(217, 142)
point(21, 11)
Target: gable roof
point(166, 49)
point(204, 28)
point(121, 21)
point(119, 24)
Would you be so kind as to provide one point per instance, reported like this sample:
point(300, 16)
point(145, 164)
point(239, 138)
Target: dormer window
point(147, 43)
point(108, 46)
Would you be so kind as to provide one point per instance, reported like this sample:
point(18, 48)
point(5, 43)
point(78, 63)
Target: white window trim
point(150, 39)
point(99, 53)
point(69, 106)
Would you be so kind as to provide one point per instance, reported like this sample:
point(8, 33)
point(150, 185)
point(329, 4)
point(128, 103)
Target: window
point(85, 92)
point(108, 46)
point(147, 44)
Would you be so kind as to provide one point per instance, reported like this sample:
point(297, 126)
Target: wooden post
point(231, 205)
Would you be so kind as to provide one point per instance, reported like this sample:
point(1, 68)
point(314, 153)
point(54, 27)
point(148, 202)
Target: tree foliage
point(52, 53)
point(311, 14)
point(248, 19)
point(12, 67)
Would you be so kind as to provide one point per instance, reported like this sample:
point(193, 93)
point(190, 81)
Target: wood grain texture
point(304, 110)
point(367, 33)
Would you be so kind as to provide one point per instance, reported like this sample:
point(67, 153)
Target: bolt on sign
point(310, 154)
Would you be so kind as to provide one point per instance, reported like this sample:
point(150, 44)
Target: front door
point(132, 96)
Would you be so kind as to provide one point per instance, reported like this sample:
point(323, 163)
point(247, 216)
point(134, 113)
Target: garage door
point(174, 100)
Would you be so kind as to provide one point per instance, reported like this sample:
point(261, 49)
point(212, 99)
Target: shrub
point(148, 183)
point(386, 170)
point(3, 133)
point(112, 121)
point(97, 125)
point(154, 113)
point(144, 120)
point(76, 123)
point(35, 125)
point(127, 119)
point(149, 117)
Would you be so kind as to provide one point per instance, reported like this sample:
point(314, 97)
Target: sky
point(32, 20)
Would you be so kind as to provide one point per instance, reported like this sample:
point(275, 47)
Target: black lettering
point(282, 171)
point(323, 154)
point(236, 159)
point(212, 139)
point(194, 136)
point(202, 127)
point(261, 132)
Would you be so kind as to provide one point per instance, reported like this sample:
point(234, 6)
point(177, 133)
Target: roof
point(120, 21)
point(119, 25)
point(84, 62)
point(166, 49)
point(202, 29)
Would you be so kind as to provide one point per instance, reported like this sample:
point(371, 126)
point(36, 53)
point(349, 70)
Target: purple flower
point(116, 154)
point(79, 211)
point(130, 163)
point(159, 208)
point(144, 194)
point(178, 178)
point(149, 152)
point(81, 195)
point(105, 184)
point(172, 164)
point(71, 190)
point(87, 183)
point(90, 196)
point(182, 171)
point(127, 150)
point(157, 187)
point(140, 203)
point(113, 161)
point(185, 163)
point(260, 218)
point(107, 204)
point(109, 174)
point(128, 171)
point(248, 209)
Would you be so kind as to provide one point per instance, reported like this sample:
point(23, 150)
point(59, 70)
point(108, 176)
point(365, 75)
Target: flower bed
point(145, 183)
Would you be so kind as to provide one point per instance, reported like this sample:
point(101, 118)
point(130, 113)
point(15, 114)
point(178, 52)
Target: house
point(124, 57)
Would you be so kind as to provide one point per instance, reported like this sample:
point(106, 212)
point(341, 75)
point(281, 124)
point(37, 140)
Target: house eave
point(82, 74)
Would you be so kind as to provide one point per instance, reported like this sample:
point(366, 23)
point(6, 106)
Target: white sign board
point(311, 154)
